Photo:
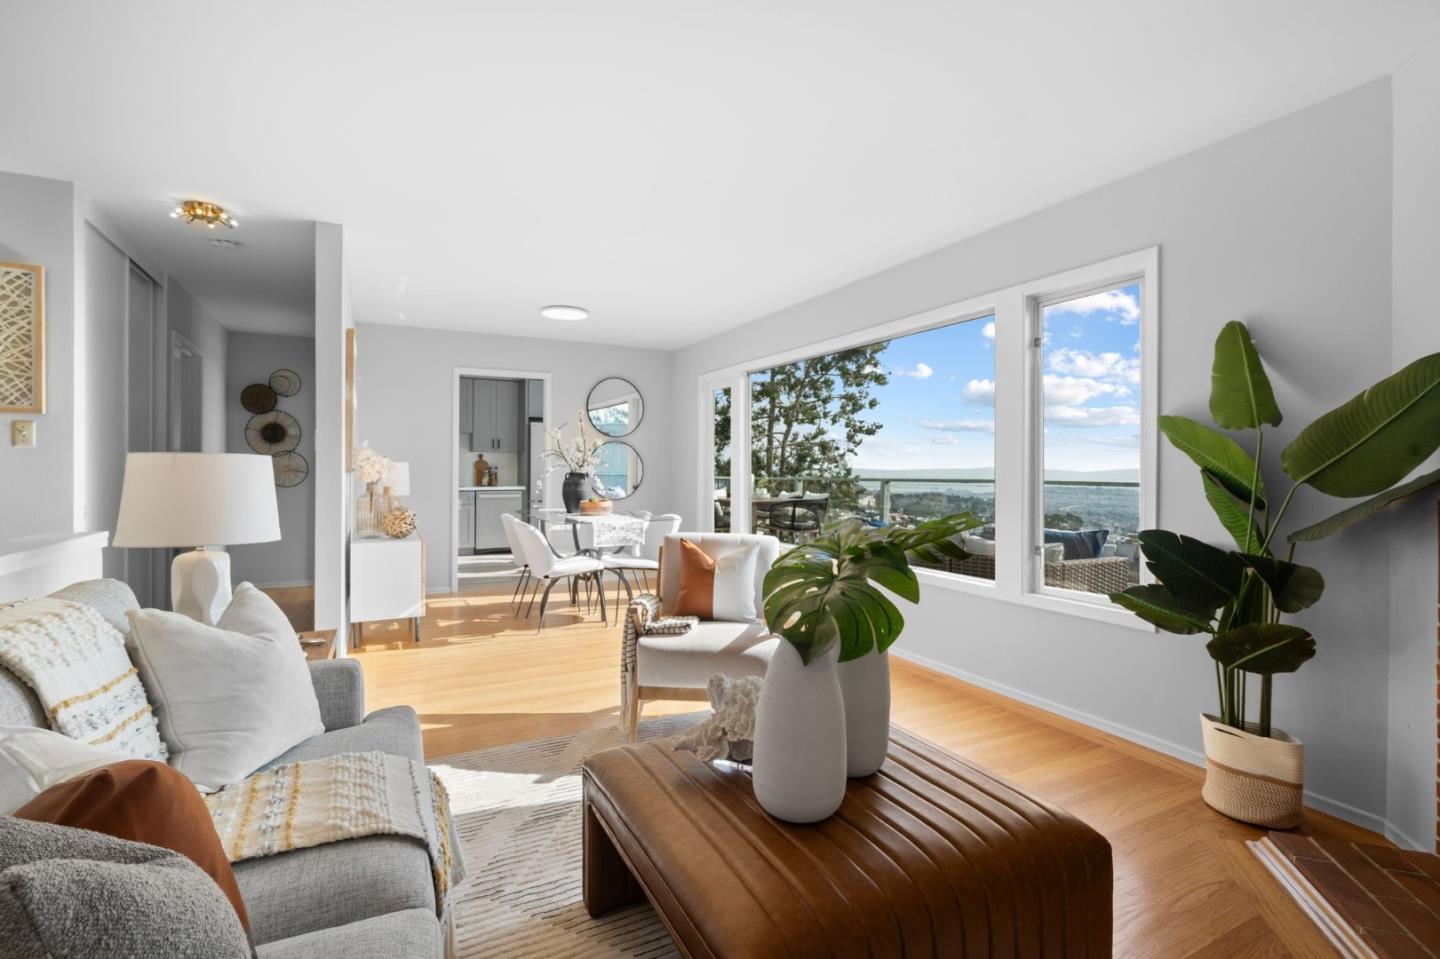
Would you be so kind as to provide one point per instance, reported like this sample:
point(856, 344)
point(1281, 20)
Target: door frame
point(453, 558)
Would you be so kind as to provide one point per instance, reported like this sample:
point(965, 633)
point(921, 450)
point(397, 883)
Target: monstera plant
point(1365, 447)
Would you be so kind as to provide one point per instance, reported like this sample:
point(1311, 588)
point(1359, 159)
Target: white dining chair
point(550, 569)
point(507, 522)
point(643, 561)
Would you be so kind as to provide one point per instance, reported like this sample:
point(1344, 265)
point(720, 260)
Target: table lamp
point(198, 500)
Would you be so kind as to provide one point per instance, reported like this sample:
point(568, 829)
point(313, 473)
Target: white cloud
point(1092, 416)
point(959, 426)
point(1078, 332)
point(922, 371)
point(1124, 307)
point(980, 391)
point(1125, 441)
point(945, 439)
point(988, 330)
point(1074, 390)
point(1100, 365)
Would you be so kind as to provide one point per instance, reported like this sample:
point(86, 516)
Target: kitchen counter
point(492, 489)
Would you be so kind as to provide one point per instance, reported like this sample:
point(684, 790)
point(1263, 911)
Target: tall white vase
point(799, 765)
point(865, 685)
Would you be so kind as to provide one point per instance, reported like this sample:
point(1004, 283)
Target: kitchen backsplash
point(508, 465)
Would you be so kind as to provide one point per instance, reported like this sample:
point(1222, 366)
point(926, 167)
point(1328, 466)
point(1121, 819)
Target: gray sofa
point(362, 898)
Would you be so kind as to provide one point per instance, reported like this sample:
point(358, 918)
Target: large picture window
point(1032, 407)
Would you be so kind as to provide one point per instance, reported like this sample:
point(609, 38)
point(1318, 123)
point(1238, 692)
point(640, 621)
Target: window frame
point(1019, 424)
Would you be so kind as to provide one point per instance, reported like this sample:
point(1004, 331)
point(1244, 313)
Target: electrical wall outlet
point(22, 432)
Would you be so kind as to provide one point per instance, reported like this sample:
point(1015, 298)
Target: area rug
point(517, 811)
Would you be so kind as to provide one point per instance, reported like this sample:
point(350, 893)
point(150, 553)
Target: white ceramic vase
point(865, 686)
point(799, 765)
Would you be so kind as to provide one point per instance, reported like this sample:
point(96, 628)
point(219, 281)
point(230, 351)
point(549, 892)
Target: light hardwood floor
point(1185, 884)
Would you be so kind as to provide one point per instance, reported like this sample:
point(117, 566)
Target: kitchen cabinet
point(489, 532)
point(495, 412)
point(466, 543)
point(467, 405)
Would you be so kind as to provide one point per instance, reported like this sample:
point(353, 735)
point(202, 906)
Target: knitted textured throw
point(77, 665)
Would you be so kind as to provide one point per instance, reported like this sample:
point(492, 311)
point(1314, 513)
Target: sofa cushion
point(73, 892)
point(394, 730)
point(33, 759)
point(408, 933)
point(142, 801)
point(713, 545)
point(229, 697)
point(111, 598)
point(690, 659)
point(717, 587)
point(19, 706)
point(296, 892)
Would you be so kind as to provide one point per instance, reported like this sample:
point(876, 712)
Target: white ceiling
point(676, 167)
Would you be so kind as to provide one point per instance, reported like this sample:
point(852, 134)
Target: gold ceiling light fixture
point(199, 211)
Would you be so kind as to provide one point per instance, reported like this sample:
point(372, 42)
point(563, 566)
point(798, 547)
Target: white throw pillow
point(229, 697)
point(734, 597)
point(34, 759)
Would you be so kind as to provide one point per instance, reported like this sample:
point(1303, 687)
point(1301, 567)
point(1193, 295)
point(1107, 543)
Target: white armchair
point(678, 666)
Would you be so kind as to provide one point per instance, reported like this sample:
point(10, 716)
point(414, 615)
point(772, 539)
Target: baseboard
point(287, 585)
point(1194, 757)
point(1395, 835)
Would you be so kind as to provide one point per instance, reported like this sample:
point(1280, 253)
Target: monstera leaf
point(825, 592)
point(1159, 607)
point(1349, 517)
point(1293, 587)
point(1240, 393)
point(1264, 648)
point(1217, 454)
point(1374, 440)
point(1234, 515)
point(1197, 573)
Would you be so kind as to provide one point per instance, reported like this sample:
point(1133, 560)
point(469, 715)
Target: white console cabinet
point(387, 581)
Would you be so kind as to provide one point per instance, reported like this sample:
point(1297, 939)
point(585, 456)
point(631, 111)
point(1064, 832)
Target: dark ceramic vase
point(573, 491)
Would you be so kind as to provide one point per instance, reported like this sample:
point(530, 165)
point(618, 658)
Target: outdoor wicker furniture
point(1101, 574)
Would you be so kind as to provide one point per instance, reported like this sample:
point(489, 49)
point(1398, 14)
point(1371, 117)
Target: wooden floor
point(1185, 885)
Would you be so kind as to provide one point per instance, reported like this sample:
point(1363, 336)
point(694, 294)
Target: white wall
point(406, 410)
point(101, 390)
point(187, 316)
point(1287, 227)
point(251, 358)
point(40, 223)
point(332, 483)
point(1413, 574)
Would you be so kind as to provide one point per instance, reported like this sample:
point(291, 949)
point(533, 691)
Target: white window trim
point(1018, 424)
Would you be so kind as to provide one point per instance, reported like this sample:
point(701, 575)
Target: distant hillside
point(988, 473)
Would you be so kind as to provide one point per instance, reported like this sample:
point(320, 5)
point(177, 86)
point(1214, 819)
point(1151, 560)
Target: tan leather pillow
point(720, 588)
point(143, 801)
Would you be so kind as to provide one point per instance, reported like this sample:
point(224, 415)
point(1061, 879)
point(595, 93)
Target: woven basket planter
point(1255, 779)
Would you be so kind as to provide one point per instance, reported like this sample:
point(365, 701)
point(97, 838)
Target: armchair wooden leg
point(631, 709)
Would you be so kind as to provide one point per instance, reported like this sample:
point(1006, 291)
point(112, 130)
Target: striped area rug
point(517, 812)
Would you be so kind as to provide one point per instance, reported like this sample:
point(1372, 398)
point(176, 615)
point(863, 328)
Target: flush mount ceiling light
point(199, 211)
point(564, 313)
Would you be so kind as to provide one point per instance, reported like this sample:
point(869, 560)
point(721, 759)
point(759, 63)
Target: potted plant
point(579, 457)
point(1238, 597)
point(824, 710)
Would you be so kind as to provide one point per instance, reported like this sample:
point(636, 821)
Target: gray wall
point(1286, 226)
point(101, 362)
point(40, 223)
point(405, 379)
point(332, 484)
point(1412, 757)
point(251, 358)
point(185, 315)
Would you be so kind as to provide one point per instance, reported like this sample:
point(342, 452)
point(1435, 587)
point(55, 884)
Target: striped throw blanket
point(319, 801)
point(77, 665)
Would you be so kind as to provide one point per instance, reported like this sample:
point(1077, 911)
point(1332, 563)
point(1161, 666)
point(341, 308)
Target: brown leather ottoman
point(929, 857)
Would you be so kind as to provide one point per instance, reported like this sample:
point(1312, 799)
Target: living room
point(1073, 591)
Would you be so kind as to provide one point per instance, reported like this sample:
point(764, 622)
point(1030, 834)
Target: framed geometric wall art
point(22, 338)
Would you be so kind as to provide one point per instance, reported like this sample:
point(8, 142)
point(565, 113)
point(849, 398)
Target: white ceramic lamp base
point(200, 584)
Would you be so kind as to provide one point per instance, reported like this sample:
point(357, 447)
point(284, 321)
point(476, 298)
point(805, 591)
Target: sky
point(938, 408)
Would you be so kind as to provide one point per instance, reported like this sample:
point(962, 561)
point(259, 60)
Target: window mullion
point(740, 483)
point(1011, 436)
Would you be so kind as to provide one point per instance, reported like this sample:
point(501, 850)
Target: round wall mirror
point(615, 407)
point(618, 472)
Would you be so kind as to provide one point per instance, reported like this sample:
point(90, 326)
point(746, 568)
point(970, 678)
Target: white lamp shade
point(398, 479)
point(197, 499)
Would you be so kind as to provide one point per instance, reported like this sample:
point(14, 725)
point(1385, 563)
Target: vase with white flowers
point(371, 467)
point(578, 457)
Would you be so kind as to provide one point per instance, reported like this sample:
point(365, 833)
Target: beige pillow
point(34, 759)
point(229, 697)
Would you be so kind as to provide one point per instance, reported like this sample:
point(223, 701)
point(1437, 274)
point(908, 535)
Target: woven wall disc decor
point(257, 398)
point(285, 382)
point(273, 432)
point(291, 468)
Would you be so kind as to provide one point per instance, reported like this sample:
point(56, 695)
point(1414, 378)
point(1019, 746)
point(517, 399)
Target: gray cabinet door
point(482, 433)
point(489, 528)
point(467, 404)
point(467, 523)
point(509, 411)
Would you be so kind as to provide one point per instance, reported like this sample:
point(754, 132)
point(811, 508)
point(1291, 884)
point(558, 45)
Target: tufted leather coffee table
point(929, 857)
